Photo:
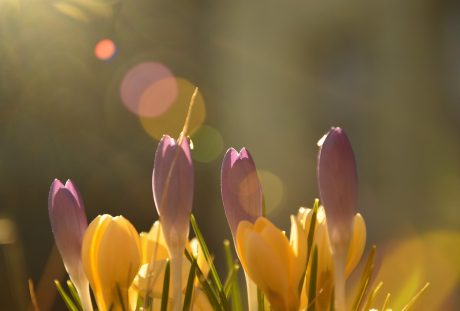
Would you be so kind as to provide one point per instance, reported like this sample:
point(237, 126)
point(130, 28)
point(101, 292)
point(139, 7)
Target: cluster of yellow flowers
point(283, 266)
point(163, 270)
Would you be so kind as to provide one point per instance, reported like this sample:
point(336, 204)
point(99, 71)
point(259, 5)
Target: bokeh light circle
point(208, 144)
point(273, 189)
point(105, 49)
point(410, 262)
point(148, 89)
point(172, 120)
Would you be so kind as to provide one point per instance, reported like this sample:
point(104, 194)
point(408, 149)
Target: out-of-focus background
point(87, 88)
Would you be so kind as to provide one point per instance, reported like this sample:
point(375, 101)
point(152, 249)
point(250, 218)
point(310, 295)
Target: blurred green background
point(273, 76)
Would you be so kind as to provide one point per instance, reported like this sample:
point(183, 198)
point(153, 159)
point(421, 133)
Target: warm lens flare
point(408, 264)
point(148, 90)
point(207, 144)
point(105, 49)
point(172, 120)
point(273, 190)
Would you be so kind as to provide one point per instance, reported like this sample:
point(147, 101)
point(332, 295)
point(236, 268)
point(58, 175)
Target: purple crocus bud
point(172, 184)
point(240, 188)
point(69, 222)
point(337, 179)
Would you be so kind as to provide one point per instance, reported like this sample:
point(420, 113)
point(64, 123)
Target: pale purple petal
point(240, 188)
point(172, 185)
point(74, 190)
point(55, 186)
point(68, 222)
point(337, 179)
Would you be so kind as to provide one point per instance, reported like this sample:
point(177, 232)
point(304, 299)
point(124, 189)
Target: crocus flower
point(272, 262)
point(242, 199)
point(337, 180)
point(172, 185)
point(151, 274)
point(68, 222)
point(240, 188)
point(111, 255)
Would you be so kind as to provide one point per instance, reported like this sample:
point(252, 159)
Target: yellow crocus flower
point(272, 262)
point(151, 274)
point(111, 256)
point(325, 273)
point(153, 244)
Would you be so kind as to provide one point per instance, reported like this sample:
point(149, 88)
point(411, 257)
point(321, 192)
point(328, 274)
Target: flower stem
point(176, 267)
point(339, 290)
point(252, 293)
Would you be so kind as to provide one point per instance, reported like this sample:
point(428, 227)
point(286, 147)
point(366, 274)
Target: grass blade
point(67, 300)
point(313, 277)
point(189, 289)
point(365, 279)
point(310, 238)
point(235, 294)
point(332, 301)
point(260, 300)
point(230, 281)
point(311, 231)
point(208, 289)
point(165, 292)
point(385, 303)
point(74, 293)
point(415, 298)
point(214, 276)
point(371, 297)
point(206, 254)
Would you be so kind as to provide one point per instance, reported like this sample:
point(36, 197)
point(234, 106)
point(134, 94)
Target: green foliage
point(189, 288)
point(365, 279)
point(312, 282)
point(233, 269)
point(165, 291)
point(215, 280)
point(71, 304)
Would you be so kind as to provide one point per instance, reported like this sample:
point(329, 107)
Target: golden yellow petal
point(150, 278)
point(324, 249)
point(118, 259)
point(302, 214)
point(267, 268)
point(241, 232)
point(298, 243)
point(156, 234)
point(197, 251)
point(90, 244)
point(261, 223)
point(357, 244)
point(277, 241)
point(153, 245)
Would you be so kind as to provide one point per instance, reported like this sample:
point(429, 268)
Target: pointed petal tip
point(56, 183)
point(165, 142)
point(230, 157)
point(54, 188)
point(230, 151)
point(337, 132)
point(244, 153)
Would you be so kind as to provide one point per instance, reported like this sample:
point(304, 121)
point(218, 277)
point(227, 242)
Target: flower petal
point(240, 188)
